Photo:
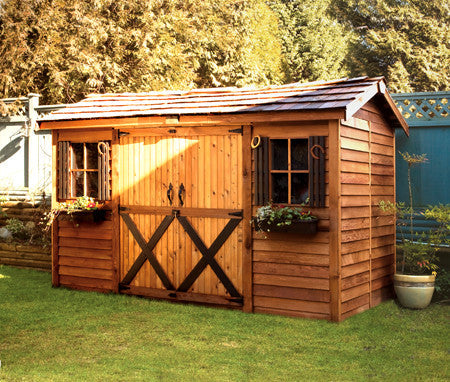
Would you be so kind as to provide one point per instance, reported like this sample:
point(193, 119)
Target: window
point(290, 170)
point(83, 170)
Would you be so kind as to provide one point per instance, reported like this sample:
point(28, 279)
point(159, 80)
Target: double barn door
point(181, 214)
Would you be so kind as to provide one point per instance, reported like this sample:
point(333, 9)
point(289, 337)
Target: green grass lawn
point(54, 334)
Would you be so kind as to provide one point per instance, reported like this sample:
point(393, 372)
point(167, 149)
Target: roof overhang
point(338, 99)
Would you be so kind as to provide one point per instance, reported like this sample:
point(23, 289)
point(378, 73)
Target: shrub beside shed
point(181, 183)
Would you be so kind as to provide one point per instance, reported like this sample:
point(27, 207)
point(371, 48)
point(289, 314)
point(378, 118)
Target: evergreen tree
point(315, 45)
point(65, 49)
point(405, 40)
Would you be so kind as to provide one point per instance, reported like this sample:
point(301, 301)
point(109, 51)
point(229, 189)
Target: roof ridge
point(232, 89)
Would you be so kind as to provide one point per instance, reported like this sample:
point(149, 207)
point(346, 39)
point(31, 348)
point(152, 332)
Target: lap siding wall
point(84, 255)
point(291, 271)
point(368, 236)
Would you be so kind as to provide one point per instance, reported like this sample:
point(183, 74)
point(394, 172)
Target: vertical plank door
point(181, 203)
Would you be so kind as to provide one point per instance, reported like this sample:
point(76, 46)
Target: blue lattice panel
point(421, 109)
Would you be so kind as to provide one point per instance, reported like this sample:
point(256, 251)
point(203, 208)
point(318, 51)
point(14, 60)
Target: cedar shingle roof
point(347, 94)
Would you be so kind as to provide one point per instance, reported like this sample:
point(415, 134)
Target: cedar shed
point(180, 181)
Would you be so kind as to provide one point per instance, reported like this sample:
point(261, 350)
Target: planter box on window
point(86, 216)
point(306, 227)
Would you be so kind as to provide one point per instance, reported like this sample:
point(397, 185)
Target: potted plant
point(83, 208)
point(280, 218)
point(417, 252)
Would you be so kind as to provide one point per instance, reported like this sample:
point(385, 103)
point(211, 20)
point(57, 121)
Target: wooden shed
point(181, 183)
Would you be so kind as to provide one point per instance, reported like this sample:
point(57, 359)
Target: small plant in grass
point(419, 250)
point(442, 286)
point(17, 228)
point(82, 203)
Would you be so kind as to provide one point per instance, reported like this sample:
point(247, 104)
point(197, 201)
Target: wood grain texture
point(335, 143)
point(368, 235)
point(85, 255)
point(292, 268)
point(55, 244)
point(247, 254)
point(115, 203)
point(210, 168)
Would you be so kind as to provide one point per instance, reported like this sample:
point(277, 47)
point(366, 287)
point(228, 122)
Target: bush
point(442, 286)
point(18, 229)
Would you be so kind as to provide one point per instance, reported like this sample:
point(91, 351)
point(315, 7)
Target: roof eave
point(377, 89)
point(196, 119)
point(397, 114)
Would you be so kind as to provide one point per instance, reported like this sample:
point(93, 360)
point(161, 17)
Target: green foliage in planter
point(82, 203)
point(280, 215)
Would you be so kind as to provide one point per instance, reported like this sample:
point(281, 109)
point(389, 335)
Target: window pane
point(299, 154)
point(279, 148)
point(92, 156)
point(77, 161)
point(299, 188)
point(77, 183)
point(92, 186)
point(280, 188)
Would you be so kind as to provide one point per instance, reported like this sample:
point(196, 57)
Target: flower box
point(86, 216)
point(306, 227)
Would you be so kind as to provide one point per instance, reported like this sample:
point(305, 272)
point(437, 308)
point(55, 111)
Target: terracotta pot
point(414, 292)
point(300, 227)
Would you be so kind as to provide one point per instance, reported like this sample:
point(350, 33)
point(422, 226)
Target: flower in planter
point(272, 215)
point(82, 203)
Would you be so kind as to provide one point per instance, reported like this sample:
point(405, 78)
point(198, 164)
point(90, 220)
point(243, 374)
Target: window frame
point(66, 171)
point(84, 170)
point(289, 171)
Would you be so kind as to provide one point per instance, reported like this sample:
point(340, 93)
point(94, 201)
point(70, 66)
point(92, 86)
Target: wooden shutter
point(63, 170)
point(103, 172)
point(261, 160)
point(317, 171)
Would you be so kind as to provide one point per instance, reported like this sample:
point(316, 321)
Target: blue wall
point(431, 180)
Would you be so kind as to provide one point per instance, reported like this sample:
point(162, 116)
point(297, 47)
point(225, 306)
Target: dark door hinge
point(237, 213)
point(237, 131)
point(123, 286)
point(123, 133)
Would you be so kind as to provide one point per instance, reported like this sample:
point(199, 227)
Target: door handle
point(170, 193)
point(180, 194)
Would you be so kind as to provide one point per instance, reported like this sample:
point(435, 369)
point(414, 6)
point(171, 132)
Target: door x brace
point(207, 253)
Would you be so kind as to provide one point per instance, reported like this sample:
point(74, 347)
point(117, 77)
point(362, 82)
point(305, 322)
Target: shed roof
point(344, 94)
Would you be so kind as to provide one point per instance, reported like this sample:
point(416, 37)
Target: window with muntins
point(83, 170)
point(290, 170)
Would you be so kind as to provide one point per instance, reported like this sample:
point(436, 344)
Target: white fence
point(25, 152)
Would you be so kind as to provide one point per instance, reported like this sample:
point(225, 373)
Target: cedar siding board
point(201, 139)
point(85, 255)
point(291, 272)
point(368, 236)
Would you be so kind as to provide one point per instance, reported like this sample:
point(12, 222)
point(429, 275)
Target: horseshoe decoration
point(102, 148)
point(316, 147)
point(256, 141)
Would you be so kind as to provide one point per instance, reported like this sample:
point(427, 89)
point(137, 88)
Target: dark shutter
point(317, 171)
point(63, 170)
point(103, 171)
point(261, 159)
